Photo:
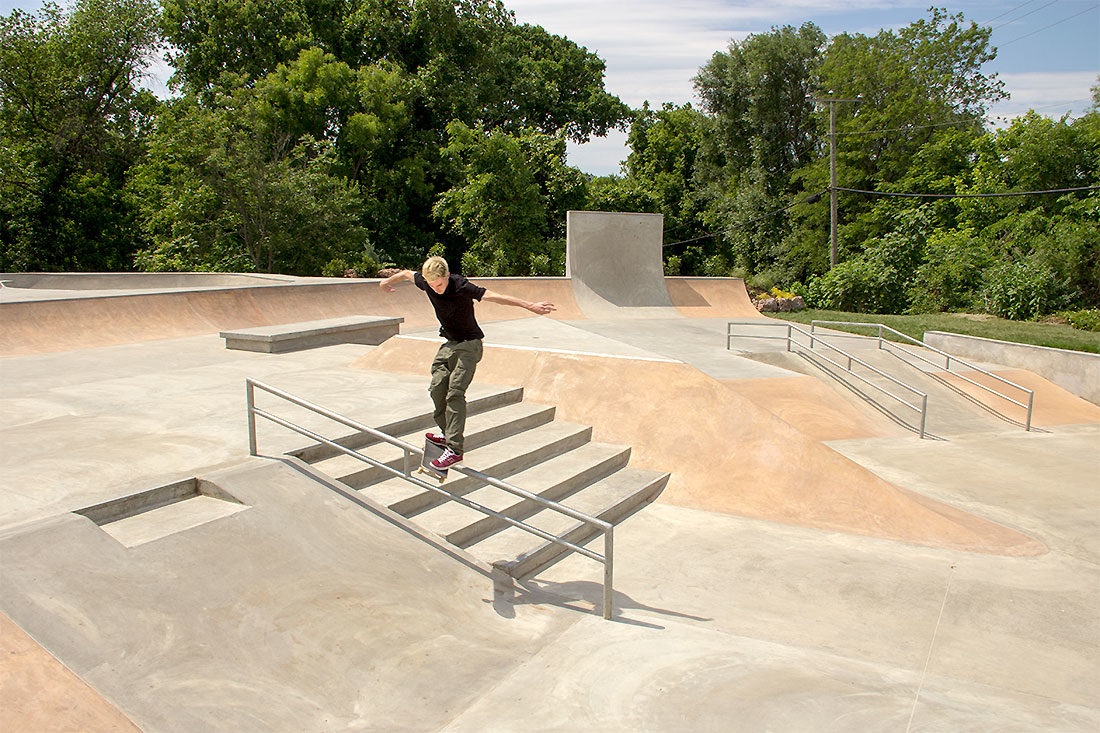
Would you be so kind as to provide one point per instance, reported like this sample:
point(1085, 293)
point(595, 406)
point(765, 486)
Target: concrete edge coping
point(1015, 344)
point(305, 329)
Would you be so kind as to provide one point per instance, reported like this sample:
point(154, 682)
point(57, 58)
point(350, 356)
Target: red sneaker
point(445, 461)
point(437, 439)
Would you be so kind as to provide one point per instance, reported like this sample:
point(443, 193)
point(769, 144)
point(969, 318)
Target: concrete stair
point(513, 441)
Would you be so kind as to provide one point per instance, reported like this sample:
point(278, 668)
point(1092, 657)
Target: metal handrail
point(789, 338)
point(605, 527)
point(947, 365)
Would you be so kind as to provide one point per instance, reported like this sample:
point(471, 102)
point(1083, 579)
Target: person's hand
point(541, 308)
point(387, 288)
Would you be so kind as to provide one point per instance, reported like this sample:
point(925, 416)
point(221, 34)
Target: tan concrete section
point(1076, 371)
point(725, 453)
point(711, 297)
point(104, 281)
point(557, 290)
point(1053, 405)
point(33, 327)
point(809, 405)
point(38, 693)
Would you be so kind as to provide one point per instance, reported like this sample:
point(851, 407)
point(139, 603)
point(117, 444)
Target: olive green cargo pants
point(452, 372)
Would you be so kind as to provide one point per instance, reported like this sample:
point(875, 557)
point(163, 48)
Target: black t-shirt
point(455, 307)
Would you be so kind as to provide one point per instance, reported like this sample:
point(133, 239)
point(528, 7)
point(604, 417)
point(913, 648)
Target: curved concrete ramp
point(62, 324)
point(725, 453)
point(616, 265)
point(711, 297)
point(614, 262)
point(61, 281)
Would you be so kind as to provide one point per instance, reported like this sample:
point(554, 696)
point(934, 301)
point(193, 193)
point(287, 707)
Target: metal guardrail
point(947, 365)
point(789, 338)
point(411, 450)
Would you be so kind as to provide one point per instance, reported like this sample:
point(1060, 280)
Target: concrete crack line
point(931, 646)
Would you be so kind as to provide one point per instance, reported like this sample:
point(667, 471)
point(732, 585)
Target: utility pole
point(832, 102)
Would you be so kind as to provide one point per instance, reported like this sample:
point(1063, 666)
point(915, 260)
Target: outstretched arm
point(538, 308)
point(387, 284)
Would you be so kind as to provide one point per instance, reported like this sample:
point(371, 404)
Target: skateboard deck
point(431, 452)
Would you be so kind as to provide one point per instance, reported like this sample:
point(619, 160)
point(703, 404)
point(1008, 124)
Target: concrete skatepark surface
point(814, 566)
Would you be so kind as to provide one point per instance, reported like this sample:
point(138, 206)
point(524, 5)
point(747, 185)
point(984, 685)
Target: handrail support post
point(250, 399)
point(608, 573)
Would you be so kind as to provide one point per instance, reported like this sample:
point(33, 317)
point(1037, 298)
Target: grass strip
point(1053, 335)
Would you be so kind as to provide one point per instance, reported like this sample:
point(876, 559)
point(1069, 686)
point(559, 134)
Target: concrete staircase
point(510, 440)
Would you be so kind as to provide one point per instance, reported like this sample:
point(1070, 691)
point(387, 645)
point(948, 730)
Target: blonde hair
point(435, 268)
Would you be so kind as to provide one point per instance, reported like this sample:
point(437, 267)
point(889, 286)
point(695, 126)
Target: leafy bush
point(860, 285)
point(1086, 320)
point(1022, 290)
point(951, 275)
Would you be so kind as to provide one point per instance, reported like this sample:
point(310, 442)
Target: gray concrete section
point(614, 261)
point(700, 342)
point(1043, 483)
point(311, 334)
point(299, 609)
point(789, 629)
point(100, 281)
point(302, 612)
point(79, 426)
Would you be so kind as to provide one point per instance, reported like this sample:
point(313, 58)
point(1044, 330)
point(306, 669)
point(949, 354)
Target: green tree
point(72, 122)
point(222, 190)
point(382, 80)
point(666, 146)
point(545, 82)
point(510, 200)
point(763, 129)
point(760, 95)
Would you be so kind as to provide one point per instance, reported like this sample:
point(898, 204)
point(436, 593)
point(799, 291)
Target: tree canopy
point(310, 136)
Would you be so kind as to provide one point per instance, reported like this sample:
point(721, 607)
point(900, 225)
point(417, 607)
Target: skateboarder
point(452, 297)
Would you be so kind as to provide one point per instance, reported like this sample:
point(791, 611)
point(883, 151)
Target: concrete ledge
point(311, 334)
point(1075, 371)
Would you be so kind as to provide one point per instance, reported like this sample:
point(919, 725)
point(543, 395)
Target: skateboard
point(431, 452)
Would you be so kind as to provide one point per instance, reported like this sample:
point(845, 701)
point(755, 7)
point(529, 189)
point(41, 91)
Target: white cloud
point(601, 156)
point(1051, 93)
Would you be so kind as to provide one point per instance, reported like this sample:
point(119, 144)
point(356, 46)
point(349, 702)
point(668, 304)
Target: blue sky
point(1048, 50)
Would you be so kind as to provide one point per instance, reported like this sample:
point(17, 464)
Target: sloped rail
point(947, 366)
point(606, 559)
point(789, 338)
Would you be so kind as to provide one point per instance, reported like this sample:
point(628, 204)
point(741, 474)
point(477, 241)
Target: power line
point(1063, 20)
point(908, 127)
point(1009, 12)
point(1030, 12)
point(969, 195)
point(812, 199)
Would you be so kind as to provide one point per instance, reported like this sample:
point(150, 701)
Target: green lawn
point(1040, 334)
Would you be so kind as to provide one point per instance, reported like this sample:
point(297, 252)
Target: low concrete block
point(311, 334)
